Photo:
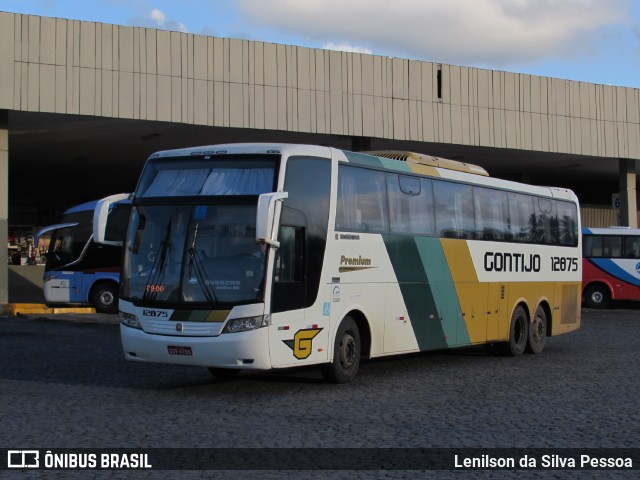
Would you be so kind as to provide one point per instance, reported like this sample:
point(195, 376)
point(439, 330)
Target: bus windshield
point(66, 245)
point(192, 231)
point(193, 254)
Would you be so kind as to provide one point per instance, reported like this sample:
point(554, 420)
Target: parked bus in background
point(611, 268)
point(261, 256)
point(80, 270)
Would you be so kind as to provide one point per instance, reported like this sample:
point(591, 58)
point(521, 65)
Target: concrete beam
point(628, 194)
point(359, 144)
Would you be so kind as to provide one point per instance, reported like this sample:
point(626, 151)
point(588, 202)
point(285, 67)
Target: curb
point(39, 308)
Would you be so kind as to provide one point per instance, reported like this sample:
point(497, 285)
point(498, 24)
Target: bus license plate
point(174, 350)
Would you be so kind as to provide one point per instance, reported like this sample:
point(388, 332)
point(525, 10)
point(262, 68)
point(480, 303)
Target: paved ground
point(64, 383)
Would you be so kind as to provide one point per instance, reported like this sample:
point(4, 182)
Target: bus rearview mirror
point(100, 216)
point(266, 217)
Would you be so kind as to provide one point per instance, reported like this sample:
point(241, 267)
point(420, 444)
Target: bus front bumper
point(243, 350)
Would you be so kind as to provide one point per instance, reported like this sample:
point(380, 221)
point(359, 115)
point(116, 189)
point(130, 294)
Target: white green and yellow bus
point(266, 256)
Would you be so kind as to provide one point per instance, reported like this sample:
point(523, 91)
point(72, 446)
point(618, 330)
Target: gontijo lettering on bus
point(511, 262)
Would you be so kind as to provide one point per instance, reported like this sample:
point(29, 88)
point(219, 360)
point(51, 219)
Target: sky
point(595, 41)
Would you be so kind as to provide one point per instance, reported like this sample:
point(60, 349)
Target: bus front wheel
point(597, 296)
point(104, 297)
point(346, 353)
point(518, 333)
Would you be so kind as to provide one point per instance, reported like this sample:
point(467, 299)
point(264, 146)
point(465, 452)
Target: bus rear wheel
point(537, 331)
point(346, 353)
point(597, 296)
point(518, 333)
point(104, 297)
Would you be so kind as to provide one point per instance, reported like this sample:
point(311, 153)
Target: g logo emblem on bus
point(179, 327)
point(302, 342)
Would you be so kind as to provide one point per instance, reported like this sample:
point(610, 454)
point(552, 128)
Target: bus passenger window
point(592, 246)
point(362, 200)
point(454, 210)
point(522, 217)
point(612, 246)
point(410, 205)
point(492, 215)
point(546, 229)
point(632, 247)
point(567, 223)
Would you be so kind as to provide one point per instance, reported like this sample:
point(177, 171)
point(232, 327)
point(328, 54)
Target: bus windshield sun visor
point(217, 181)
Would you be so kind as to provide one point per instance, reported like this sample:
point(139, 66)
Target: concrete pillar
point(628, 199)
point(4, 205)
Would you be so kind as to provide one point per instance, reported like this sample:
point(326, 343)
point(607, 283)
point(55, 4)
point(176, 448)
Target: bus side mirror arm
point(266, 217)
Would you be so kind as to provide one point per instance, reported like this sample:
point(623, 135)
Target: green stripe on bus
point(397, 165)
point(443, 289)
point(363, 159)
point(416, 292)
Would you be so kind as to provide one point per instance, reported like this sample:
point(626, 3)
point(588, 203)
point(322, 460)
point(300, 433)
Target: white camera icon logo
point(23, 459)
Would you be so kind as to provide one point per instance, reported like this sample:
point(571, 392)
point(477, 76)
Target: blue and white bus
point(80, 269)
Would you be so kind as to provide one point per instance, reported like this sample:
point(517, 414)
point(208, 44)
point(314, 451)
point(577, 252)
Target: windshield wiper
point(151, 289)
point(195, 263)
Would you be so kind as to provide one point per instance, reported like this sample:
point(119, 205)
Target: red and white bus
point(611, 265)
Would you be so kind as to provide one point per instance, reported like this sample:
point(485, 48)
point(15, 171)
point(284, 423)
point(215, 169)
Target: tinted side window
point(454, 210)
point(362, 200)
point(100, 256)
point(492, 214)
point(612, 246)
point(592, 246)
point(567, 223)
point(289, 264)
point(117, 222)
point(632, 247)
point(303, 233)
point(546, 230)
point(410, 205)
point(522, 217)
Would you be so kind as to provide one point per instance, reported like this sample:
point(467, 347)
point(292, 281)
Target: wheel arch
point(365, 330)
point(103, 281)
point(598, 281)
point(521, 302)
point(544, 303)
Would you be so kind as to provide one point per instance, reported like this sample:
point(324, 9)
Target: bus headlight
point(129, 320)
point(247, 323)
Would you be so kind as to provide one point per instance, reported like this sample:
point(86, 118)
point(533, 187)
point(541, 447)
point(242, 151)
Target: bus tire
point(597, 295)
point(224, 373)
point(346, 353)
point(537, 331)
point(518, 333)
point(104, 297)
